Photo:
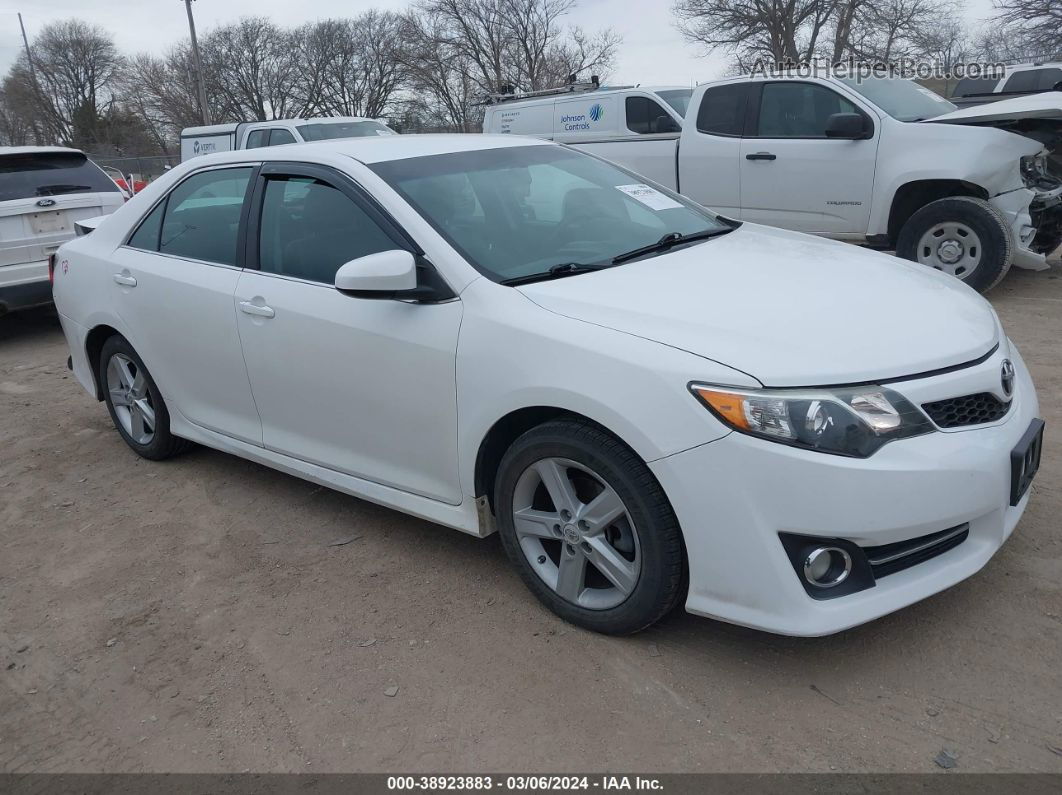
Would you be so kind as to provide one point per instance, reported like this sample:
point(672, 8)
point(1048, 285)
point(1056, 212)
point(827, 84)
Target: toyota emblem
point(1006, 377)
point(46, 202)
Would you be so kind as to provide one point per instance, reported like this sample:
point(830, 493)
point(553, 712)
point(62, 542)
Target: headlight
point(852, 421)
point(1034, 172)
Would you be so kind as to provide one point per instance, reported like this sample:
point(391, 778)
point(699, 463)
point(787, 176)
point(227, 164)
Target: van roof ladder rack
point(508, 93)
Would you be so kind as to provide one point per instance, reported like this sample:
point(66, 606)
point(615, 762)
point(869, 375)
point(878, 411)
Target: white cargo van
point(251, 135)
point(607, 119)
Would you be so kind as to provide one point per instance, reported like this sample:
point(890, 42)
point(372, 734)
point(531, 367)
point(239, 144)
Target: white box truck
point(876, 160)
point(251, 135)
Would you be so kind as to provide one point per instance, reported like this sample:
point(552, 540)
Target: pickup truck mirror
point(1057, 86)
point(666, 124)
point(846, 125)
point(395, 275)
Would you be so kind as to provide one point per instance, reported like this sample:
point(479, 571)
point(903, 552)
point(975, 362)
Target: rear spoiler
point(85, 226)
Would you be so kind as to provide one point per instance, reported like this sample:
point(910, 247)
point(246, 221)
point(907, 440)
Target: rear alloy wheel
point(135, 403)
point(962, 236)
point(589, 528)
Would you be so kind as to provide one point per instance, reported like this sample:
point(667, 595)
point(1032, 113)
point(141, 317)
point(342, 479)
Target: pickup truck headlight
point(854, 421)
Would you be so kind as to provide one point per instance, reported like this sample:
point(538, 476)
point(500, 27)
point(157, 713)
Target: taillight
point(51, 268)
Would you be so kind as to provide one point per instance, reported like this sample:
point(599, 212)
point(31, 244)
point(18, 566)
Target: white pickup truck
point(197, 141)
point(879, 160)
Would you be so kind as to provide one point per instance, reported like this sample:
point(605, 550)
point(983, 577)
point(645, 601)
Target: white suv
point(44, 191)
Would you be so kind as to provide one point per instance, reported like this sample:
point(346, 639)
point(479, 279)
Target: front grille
point(966, 410)
point(891, 558)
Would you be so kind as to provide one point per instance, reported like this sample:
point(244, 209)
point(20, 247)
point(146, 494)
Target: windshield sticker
point(650, 197)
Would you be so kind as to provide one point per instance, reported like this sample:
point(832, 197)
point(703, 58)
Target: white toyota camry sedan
point(649, 402)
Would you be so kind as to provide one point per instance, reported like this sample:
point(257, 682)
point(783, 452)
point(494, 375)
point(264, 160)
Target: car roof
point(376, 148)
point(37, 150)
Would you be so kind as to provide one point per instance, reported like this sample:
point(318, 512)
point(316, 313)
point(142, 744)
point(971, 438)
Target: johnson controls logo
point(582, 121)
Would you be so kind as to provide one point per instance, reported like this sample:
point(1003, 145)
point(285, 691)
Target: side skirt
point(463, 517)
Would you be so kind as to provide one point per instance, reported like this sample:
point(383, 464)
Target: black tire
point(977, 214)
point(661, 581)
point(162, 444)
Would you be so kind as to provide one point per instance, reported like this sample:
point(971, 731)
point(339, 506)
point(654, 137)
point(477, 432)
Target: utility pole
point(29, 56)
point(198, 63)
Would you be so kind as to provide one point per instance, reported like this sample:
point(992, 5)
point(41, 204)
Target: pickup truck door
point(709, 152)
point(792, 175)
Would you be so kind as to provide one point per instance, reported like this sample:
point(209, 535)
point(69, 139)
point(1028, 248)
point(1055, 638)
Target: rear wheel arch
point(910, 197)
point(94, 348)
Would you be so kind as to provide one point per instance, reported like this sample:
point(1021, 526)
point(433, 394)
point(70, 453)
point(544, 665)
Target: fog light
point(826, 567)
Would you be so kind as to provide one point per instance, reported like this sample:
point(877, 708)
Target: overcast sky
point(653, 52)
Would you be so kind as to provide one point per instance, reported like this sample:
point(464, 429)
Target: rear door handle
point(761, 156)
point(254, 309)
point(125, 280)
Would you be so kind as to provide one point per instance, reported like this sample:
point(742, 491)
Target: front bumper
point(1029, 233)
point(735, 495)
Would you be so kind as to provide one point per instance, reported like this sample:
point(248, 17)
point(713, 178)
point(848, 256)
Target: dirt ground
point(205, 614)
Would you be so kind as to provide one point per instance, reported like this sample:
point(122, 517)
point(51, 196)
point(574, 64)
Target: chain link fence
point(140, 168)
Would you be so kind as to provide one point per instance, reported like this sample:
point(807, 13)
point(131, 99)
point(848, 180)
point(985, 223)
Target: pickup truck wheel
point(589, 528)
point(960, 235)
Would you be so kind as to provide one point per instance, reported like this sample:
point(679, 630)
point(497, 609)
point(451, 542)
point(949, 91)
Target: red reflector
point(51, 268)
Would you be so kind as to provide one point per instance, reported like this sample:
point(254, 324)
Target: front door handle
point(125, 279)
point(254, 309)
point(761, 156)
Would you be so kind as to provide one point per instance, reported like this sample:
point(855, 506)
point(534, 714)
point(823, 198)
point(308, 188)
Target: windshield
point(342, 129)
point(902, 99)
point(678, 98)
point(517, 211)
point(24, 176)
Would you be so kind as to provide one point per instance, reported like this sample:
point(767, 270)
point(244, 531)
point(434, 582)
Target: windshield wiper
point(52, 190)
point(556, 272)
point(667, 242)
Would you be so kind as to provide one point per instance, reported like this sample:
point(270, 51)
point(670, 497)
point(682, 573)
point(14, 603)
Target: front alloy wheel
point(589, 528)
point(576, 533)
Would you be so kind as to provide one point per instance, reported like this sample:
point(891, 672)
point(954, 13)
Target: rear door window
point(39, 174)
point(202, 216)
point(722, 110)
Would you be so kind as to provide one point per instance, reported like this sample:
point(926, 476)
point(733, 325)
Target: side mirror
point(391, 275)
point(666, 124)
point(845, 125)
point(1057, 86)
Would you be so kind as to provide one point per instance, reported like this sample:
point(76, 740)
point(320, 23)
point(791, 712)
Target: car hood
point(1046, 106)
point(786, 308)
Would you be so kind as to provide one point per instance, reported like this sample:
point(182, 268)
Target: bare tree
point(780, 30)
point(1037, 22)
point(76, 71)
point(350, 67)
point(440, 75)
point(250, 66)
